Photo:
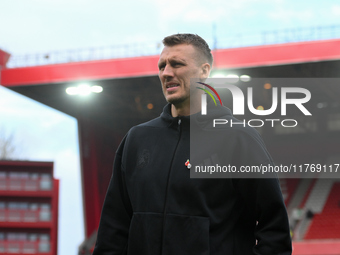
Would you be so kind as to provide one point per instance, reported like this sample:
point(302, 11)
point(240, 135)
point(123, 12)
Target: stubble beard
point(177, 102)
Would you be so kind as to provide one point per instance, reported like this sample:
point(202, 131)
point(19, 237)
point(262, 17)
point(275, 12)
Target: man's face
point(177, 64)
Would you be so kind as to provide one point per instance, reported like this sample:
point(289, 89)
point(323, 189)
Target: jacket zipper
point(167, 184)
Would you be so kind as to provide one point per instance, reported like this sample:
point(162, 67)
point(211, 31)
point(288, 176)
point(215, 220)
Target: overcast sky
point(42, 26)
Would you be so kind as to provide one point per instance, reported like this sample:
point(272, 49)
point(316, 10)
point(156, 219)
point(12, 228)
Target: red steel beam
point(279, 54)
point(4, 56)
point(264, 55)
point(87, 70)
point(317, 247)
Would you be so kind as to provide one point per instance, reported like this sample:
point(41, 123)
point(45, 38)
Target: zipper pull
point(179, 121)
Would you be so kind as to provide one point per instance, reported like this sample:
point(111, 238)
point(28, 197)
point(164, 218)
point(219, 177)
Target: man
point(152, 205)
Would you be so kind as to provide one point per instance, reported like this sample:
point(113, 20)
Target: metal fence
point(147, 49)
point(281, 36)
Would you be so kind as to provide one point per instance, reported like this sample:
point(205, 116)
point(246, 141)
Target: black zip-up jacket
point(152, 206)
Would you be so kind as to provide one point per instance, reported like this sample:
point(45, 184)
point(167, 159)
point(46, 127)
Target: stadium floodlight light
point(233, 78)
point(72, 91)
point(84, 90)
point(218, 75)
point(245, 78)
point(96, 89)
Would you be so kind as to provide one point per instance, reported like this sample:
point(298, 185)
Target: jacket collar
point(213, 112)
point(167, 117)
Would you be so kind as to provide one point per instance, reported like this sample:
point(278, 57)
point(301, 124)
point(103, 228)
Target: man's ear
point(205, 70)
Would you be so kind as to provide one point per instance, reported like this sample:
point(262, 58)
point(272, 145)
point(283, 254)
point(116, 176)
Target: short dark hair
point(198, 42)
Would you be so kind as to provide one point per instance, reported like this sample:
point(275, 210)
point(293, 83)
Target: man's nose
point(168, 71)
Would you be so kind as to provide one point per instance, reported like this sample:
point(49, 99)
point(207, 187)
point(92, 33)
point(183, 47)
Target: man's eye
point(161, 67)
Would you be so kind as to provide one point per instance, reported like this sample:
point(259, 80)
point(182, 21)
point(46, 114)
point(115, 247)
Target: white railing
point(147, 49)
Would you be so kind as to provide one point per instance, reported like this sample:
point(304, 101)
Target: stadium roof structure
point(234, 58)
point(131, 83)
point(132, 94)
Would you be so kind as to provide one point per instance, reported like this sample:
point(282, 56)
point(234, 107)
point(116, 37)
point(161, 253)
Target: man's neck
point(184, 110)
point(179, 111)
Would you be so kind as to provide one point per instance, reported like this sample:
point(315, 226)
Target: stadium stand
point(131, 82)
point(326, 223)
point(288, 187)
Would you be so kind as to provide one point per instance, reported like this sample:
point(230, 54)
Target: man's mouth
point(171, 86)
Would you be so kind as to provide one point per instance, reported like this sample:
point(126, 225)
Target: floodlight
point(96, 89)
point(245, 78)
